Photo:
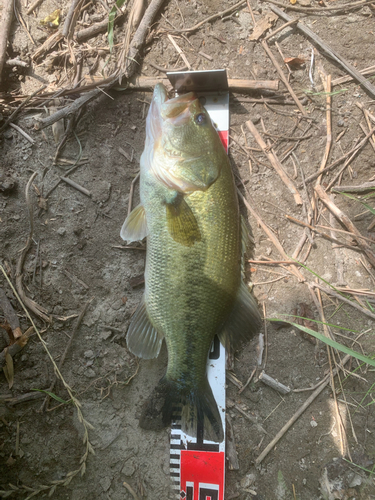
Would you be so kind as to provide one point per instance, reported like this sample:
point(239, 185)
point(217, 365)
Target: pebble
point(89, 354)
point(89, 373)
point(61, 231)
point(340, 122)
point(105, 483)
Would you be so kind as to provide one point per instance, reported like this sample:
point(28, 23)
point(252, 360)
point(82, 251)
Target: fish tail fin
point(199, 412)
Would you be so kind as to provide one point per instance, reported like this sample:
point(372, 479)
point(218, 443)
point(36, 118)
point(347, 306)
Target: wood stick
point(343, 299)
point(322, 233)
point(5, 24)
point(179, 50)
point(344, 219)
point(275, 163)
point(327, 86)
point(363, 188)
point(342, 158)
point(343, 8)
point(273, 33)
point(328, 51)
point(48, 45)
point(9, 314)
point(273, 238)
point(283, 77)
point(76, 186)
point(33, 6)
point(31, 304)
point(298, 413)
point(22, 132)
point(275, 384)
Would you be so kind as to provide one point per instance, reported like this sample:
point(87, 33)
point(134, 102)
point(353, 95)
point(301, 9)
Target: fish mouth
point(177, 110)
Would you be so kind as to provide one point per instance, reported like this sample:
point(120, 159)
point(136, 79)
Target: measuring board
point(197, 466)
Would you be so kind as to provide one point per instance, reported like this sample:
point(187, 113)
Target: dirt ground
point(76, 259)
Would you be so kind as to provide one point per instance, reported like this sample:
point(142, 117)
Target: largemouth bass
point(194, 285)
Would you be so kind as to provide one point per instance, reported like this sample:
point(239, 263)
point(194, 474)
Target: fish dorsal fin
point(243, 322)
point(182, 224)
point(135, 225)
point(142, 338)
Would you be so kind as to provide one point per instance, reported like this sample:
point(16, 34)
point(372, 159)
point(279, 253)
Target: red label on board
point(202, 475)
point(224, 136)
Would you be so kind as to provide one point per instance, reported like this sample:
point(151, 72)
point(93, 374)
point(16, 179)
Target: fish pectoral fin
point(243, 322)
point(142, 338)
point(135, 226)
point(182, 224)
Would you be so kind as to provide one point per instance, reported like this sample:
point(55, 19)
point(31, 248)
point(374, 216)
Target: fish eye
point(200, 119)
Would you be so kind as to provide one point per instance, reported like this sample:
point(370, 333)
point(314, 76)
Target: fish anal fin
point(243, 322)
point(135, 225)
point(182, 224)
point(142, 338)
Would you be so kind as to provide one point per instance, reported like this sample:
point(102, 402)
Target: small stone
point(313, 423)
point(89, 373)
point(105, 483)
point(248, 480)
point(340, 122)
point(89, 354)
point(128, 469)
point(8, 134)
point(356, 481)
point(61, 231)
point(105, 335)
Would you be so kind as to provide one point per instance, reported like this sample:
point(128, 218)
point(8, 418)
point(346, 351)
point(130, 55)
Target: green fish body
point(193, 277)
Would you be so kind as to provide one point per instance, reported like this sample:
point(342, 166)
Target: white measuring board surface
point(197, 466)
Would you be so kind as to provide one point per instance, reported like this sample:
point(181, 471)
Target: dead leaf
point(263, 25)
point(8, 369)
point(53, 20)
point(294, 62)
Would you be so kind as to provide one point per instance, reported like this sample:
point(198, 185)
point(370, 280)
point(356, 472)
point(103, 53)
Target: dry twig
point(298, 413)
point(344, 219)
point(275, 162)
point(5, 24)
point(33, 306)
point(327, 50)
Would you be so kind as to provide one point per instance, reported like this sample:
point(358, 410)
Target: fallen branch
point(344, 219)
point(283, 77)
point(298, 413)
point(328, 51)
point(339, 8)
point(275, 162)
point(40, 311)
point(273, 238)
point(5, 24)
point(353, 152)
point(10, 315)
point(62, 360)
point(15, 348)
point(341, 297)
point(363, 188)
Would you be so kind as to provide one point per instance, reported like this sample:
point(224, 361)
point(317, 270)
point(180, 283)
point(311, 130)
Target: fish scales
point(193, 277)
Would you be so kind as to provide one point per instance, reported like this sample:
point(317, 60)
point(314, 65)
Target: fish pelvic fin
point(135, 225)
point(199, 412)
point(142, 338)
point(182, 224)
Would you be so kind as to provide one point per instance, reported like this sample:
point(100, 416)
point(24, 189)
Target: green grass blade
point(111, 21)
point(52, 395)
point(316, 321)
point(331, 343)
point(372, 210)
